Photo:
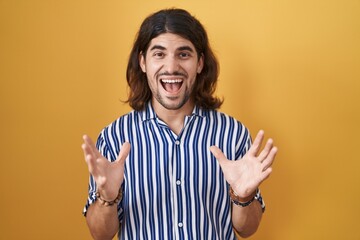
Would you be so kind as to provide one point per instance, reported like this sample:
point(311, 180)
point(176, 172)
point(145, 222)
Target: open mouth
point(171, 85)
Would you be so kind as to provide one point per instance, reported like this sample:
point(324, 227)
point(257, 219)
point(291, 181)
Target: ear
point(142, 62)
point(200, 64)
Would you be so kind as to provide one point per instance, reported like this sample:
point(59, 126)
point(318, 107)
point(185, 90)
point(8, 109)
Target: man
point(154, 173)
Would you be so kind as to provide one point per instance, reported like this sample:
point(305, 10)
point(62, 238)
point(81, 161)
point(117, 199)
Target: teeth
point(171, 80)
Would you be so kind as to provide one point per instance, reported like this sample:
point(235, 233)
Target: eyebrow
point(158, 47)
point(187, 48)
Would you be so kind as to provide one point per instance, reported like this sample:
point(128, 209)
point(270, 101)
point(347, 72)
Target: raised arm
point(244, 177)
point(102, 219)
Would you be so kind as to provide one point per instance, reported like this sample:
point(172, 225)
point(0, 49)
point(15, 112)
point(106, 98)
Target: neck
point(173, 118)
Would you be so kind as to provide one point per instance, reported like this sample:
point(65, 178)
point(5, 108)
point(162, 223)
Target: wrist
point(106, 202)
point(241, 201)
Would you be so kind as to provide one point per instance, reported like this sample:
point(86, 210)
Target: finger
point(218, 154)
point(266, 174)
point(270, 158)
point(86, 150)
point(88, 153)
point(265, 152)
point(89, 159)
point(92, 148)
point(124, 152)
point(254, 149)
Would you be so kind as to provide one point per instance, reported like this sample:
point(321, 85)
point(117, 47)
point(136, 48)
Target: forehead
point(170, 41)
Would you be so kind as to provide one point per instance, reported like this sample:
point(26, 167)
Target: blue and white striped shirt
point(173, 186)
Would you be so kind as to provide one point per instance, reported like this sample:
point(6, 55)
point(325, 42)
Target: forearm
point(246, 220)
point(102, 221)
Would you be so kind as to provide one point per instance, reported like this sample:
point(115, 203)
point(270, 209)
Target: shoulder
point(225, 122)
point(222, 117)
point(115, 134)
point(116, 129)
point(122, 120)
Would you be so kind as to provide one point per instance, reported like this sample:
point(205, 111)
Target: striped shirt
point(173, 186)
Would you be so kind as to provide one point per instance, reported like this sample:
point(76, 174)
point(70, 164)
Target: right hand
point(107, 175)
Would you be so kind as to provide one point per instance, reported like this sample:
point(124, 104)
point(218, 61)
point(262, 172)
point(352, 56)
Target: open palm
point(107, 175)
point(246, 175)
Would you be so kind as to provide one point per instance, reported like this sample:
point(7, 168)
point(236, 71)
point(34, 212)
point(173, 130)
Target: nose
point(171, 64)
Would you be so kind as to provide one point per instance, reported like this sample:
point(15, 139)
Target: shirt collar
point(149, 113)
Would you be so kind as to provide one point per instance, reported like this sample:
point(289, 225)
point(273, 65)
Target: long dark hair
point(180, 22)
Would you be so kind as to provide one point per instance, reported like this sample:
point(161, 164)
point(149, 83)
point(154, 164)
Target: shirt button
point(178, 182)
point(180, 224)
point(177, 142)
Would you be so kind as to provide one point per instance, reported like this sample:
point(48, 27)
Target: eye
point(184, 55)
point(158, 54)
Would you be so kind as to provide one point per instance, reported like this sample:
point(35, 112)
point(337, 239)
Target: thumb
point(124, 152)
point(218, 154)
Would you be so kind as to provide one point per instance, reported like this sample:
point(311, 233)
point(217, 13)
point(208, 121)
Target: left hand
point(108, 175)
point(245, 175)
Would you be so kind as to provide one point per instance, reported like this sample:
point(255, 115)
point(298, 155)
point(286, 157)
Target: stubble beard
point(173, 106)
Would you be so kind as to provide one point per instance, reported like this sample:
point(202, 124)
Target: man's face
point(171, 65)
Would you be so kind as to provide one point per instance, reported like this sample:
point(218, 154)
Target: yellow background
point(291, 68)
